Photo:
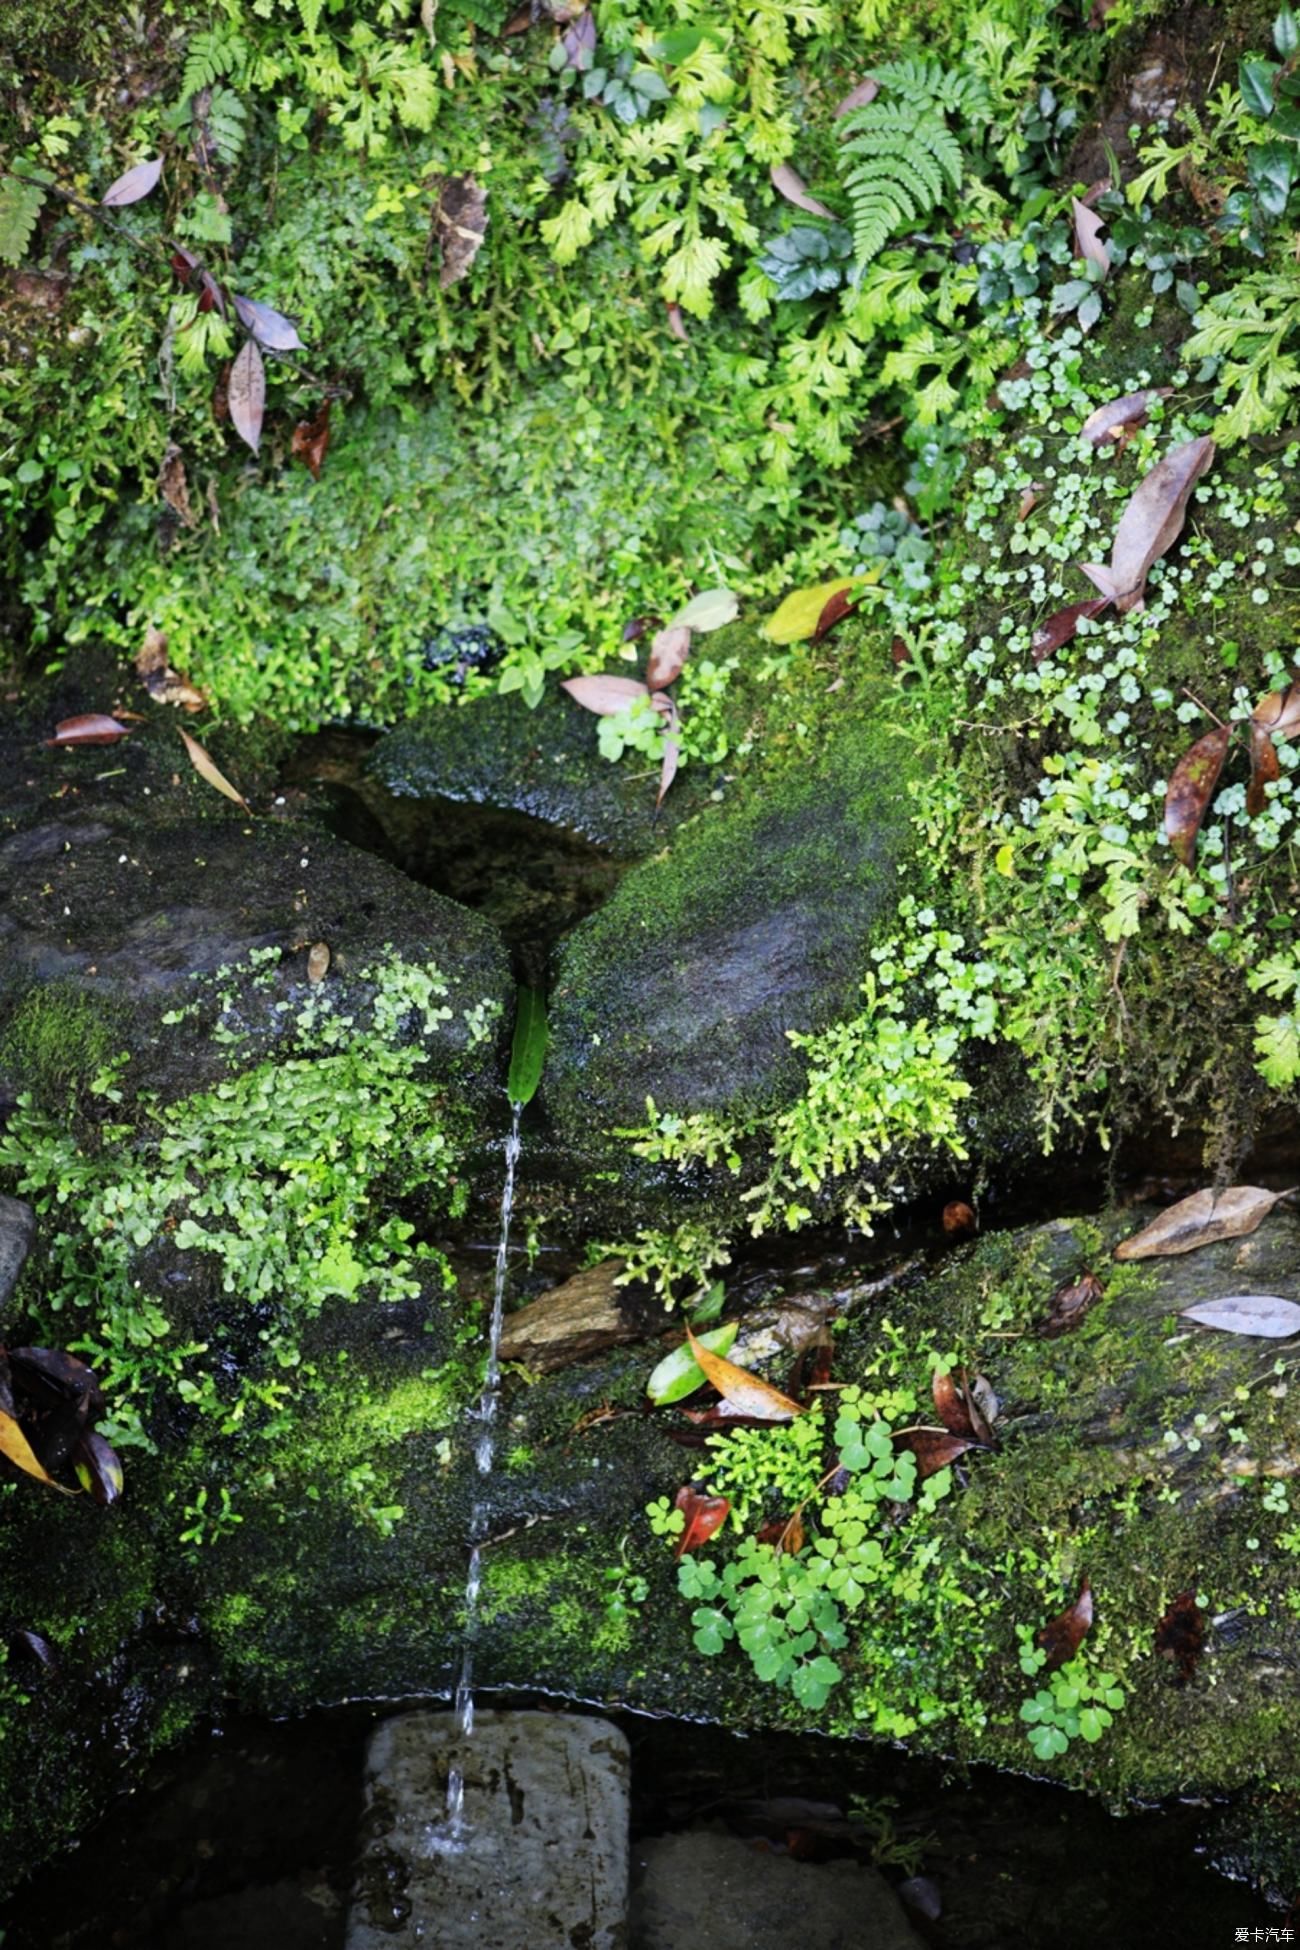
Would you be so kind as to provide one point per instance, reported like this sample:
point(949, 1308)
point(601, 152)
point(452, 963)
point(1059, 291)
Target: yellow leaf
point(1005, 860)
point(14, 1444)
point(205, 768)
point(744, 1391)
point(800, 613)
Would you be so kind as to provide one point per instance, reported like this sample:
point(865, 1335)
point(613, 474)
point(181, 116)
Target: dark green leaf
point(1271, 169)
point(1286, 33)
point(528, 1051)
point(1257, 78)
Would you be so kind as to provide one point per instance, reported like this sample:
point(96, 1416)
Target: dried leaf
point(1029, 500)
point(957, 1408)
point(1102, 578)
point(934, 1449)
point(98, 1469)
point(1265, 769)
point(1152, 521)
point(634, 630)
point(1112, 420)
point(310, 441)
point(676, 323)
point(1180, 1635)
point(205, 768)
point(165, 685)
point(318, 962)
point(785, 1534)
point(704, 1515)
point(900, 653)
point(793, 188)
point(1200, 1220)
point(710, 610)
point(1191, 788)
point(1279, 712)
point(1070, 1303)
point(246, 393)
point(135, 184)
point(835, 610)
point(1061, 629)
point(460, 224)
point(578, 42)
point(13, 1443)
point(668, 653)
point(1262, 1314)
point(91, 728)
point(605, 695)
point(679, 1374)
point(672, 750)
point(798, 616)
point(744, 1391)
point(269, 327)
point(1062, 1636)
point(1088, 227)
point(958, 1217)
point(859, 96)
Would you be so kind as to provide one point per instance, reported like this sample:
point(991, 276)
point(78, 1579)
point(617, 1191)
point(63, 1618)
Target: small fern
point(490, 15)
point(20, 205)
point(225, 124)
point(209, 58)
point(900, 158)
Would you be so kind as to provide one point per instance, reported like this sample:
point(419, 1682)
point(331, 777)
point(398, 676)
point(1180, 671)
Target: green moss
point(56, 1037)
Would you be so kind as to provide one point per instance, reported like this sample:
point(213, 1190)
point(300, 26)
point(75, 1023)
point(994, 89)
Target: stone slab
point(706, 1888)
point(540, 1860)
point(17, 1231)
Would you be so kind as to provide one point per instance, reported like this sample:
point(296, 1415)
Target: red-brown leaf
point(1061, 629)
point(958, 1410)
point(836, 608)
point(793, 188)
point(636, 628)
point(605, 695)
point(1070, 1303)
point(677, 324)
point(1061, 1637)
point(1191, 788)
point(784, 1533)
point(311, 439)
point(704, 1515)
point(1265, 768)
point(934, 1449)
point(246, 393)
point(669, 650)
point(1152, 522)
point(958, 1217)
point(1180, 1635)
point(672, 751)
point(91, 728)
point(900, 652)
point(1279, 712)
point(1110, 421)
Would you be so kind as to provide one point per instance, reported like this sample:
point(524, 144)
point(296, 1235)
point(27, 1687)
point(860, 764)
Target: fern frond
point(226, 124)
point(311, 11)
point(20, 205)
point(209, 58)
point(897, 162)
point(490, 15)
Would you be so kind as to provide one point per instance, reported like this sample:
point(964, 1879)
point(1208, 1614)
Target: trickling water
point(484, 1451)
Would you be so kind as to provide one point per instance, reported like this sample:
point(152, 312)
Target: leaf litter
point(1201, 1220)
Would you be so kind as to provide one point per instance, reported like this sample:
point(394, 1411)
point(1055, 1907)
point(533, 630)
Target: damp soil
point(246, 1836)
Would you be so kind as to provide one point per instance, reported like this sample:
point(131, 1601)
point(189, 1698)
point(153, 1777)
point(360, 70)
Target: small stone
point(17, 1232)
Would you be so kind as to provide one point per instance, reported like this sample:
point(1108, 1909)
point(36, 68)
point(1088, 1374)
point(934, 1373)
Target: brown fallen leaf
point(173, 486)
point(136, 183)
point(1261, 1316)
point(13, 1443)
point(1265, 769)
point(1151, 523)
point(676, 323)
point(318, 962)
point(1070, 1303)
point(859, 96)
point(934, 1449)
point(958, 1409)
point(269, 327)
point(959, 1218)
point(1119, 416)
point(1191, 788)
point(1029, 499)
point(1180, 1635)
point(1062, 628)
point(1200, 1220)
point(1062, 1636)
point(460, 224)
point(785, 1534)
point(836, 609)
point(205, 768)
point(792, 187)
point(91, 728)
point(165, 685)
point(704, 1515)
point(669, 650)
point(672, 750)
point(1088, 227)
point(1279, 712)
point(310, 440)
point(744, 1391)
point(246, 393)
point(605, 695)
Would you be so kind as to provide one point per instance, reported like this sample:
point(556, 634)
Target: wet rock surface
point(713, 1888)
point(17, 1232)
point(539, 1859)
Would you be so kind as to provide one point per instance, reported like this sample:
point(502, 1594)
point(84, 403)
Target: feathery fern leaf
point(210, 57)
point(225, 124)
point(20, 205)
point(898, 161)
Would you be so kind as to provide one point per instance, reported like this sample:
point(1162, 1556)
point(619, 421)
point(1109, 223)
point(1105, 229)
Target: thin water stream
point(484, 1453)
